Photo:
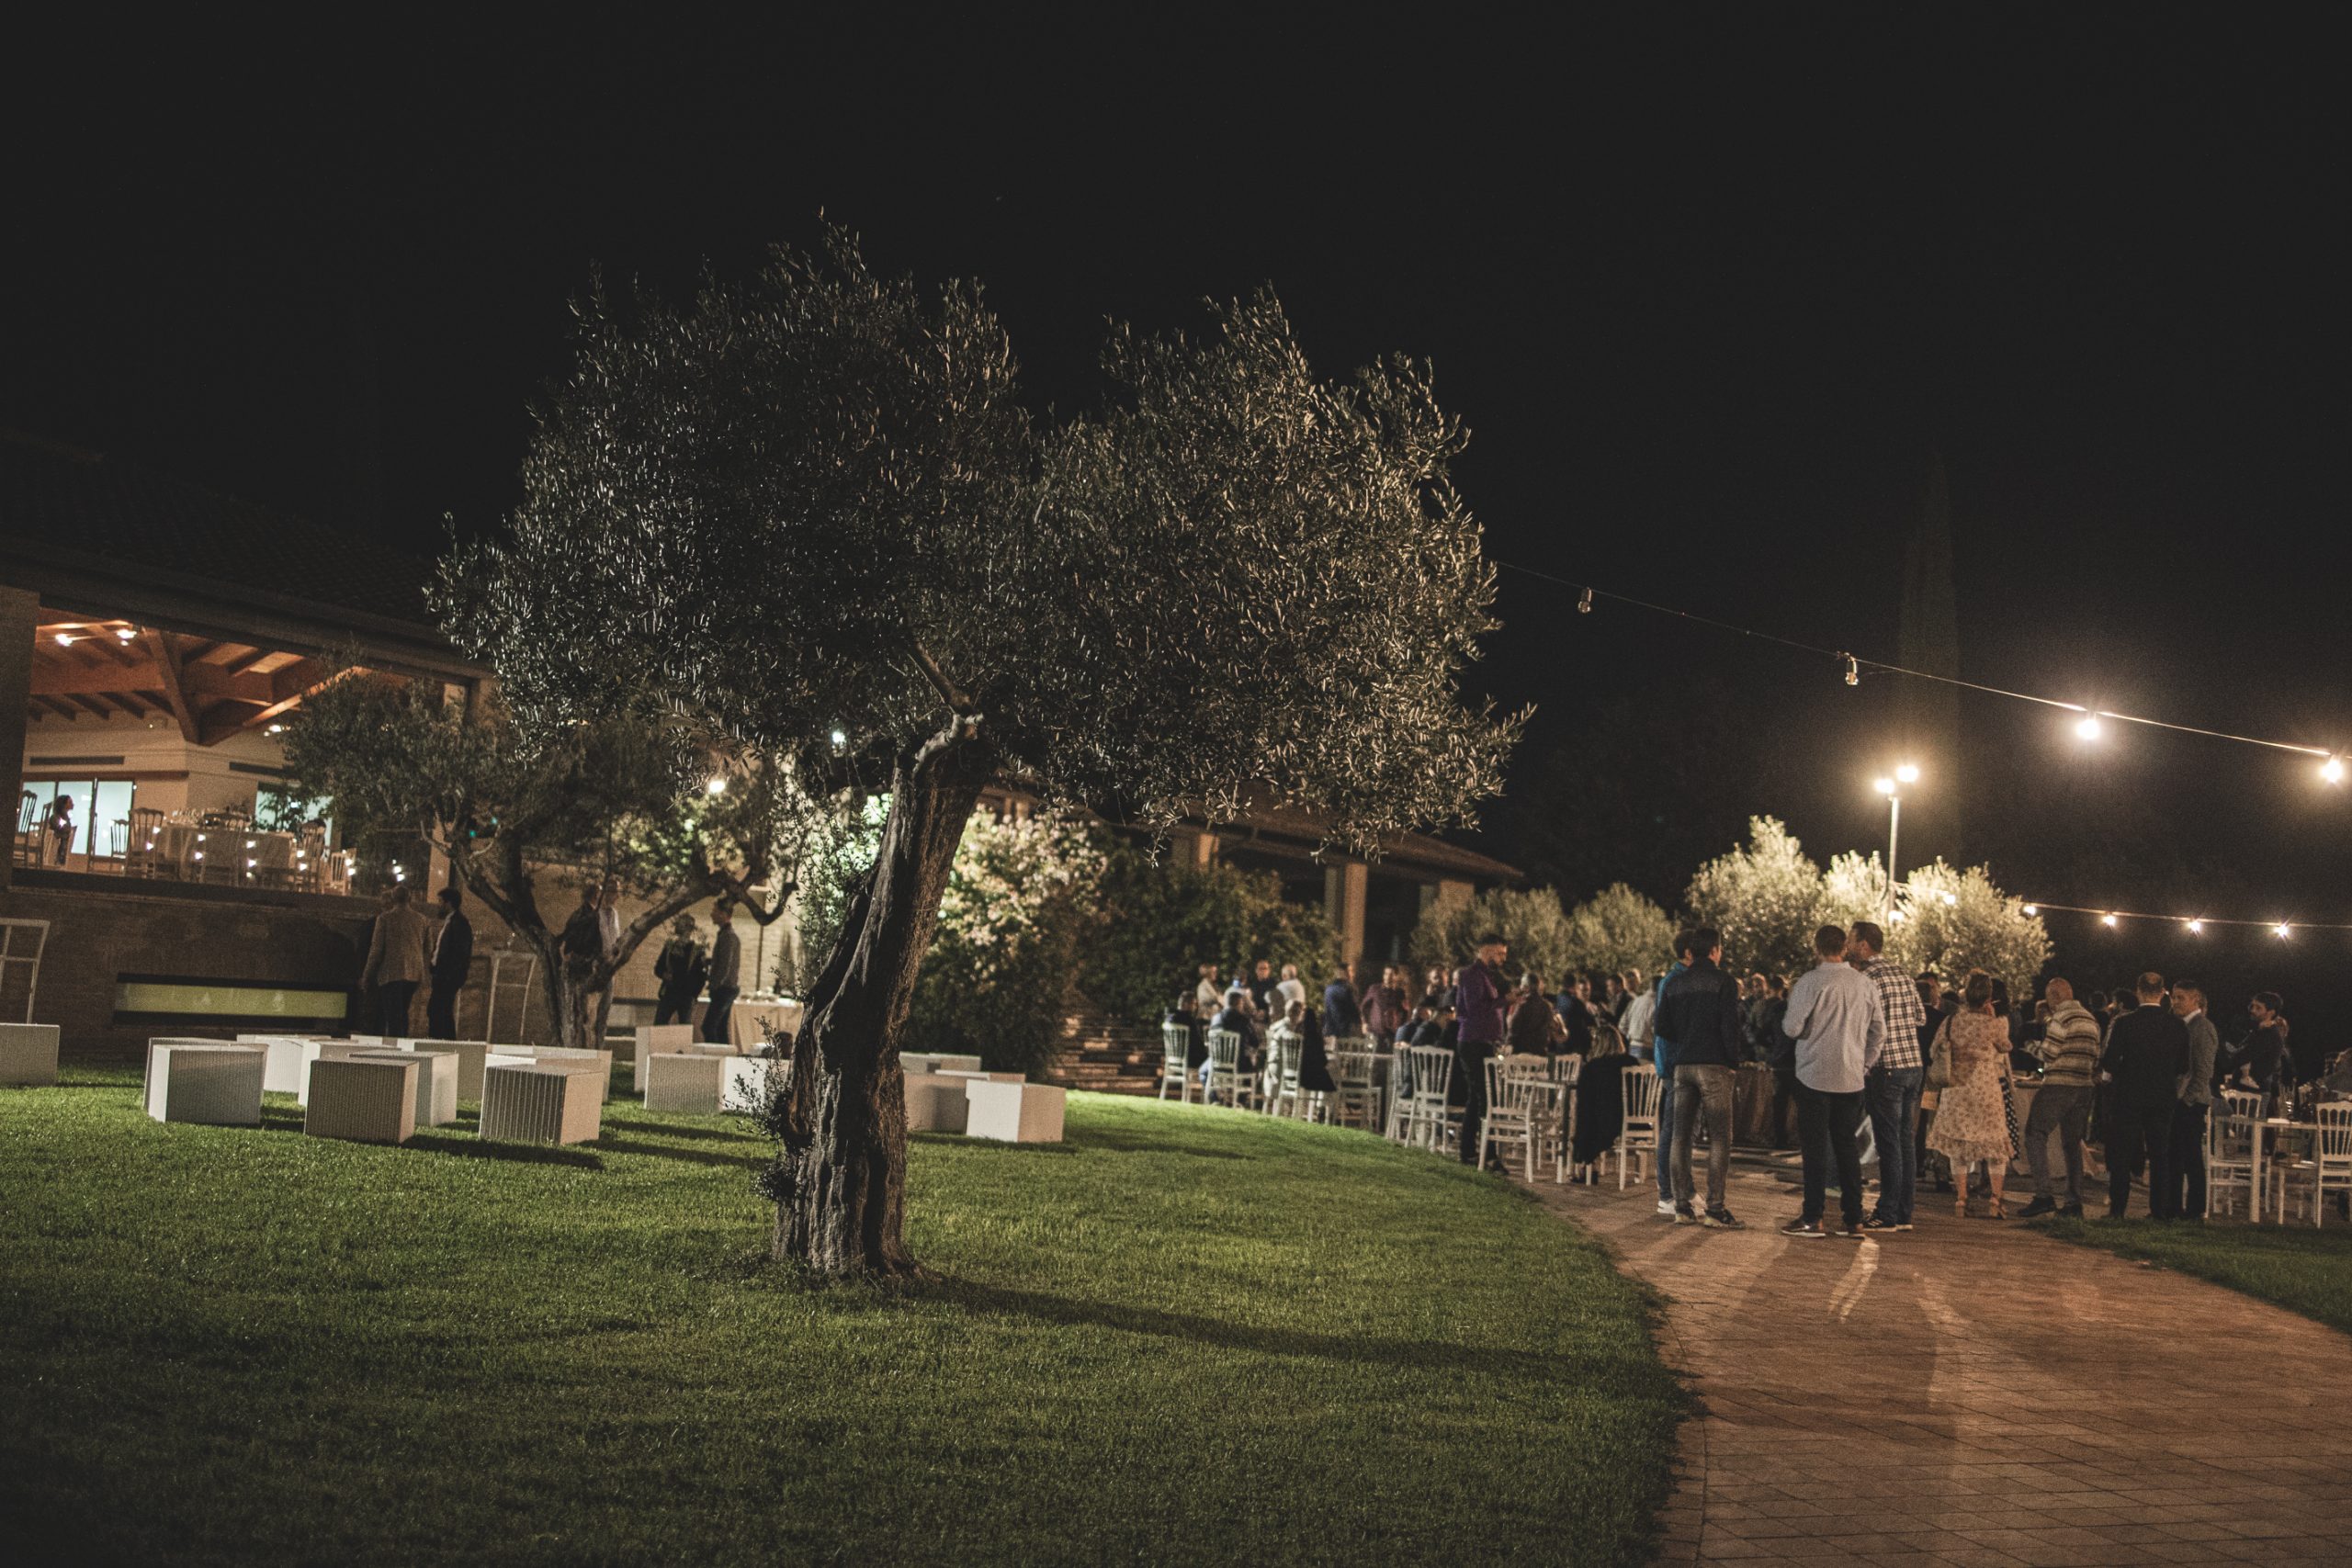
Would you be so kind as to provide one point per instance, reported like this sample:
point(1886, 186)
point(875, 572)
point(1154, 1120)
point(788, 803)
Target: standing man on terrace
point(1478, 992)
point(2147, 1051)
point(1840, 1030)
point(1701, 1012)
point(726, 975)
point(1892, 1091)
point(453, 961)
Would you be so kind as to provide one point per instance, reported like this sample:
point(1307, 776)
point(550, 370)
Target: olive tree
point(613, 796)
point(810, 508)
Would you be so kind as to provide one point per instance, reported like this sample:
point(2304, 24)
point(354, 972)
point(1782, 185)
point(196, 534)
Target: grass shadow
point(1428, 1355)
point(517, 1153)
point(613, 1145)
point(1111, 1141)
point(704, 1135)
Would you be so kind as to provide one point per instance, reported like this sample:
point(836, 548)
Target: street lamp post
point(1908, 774)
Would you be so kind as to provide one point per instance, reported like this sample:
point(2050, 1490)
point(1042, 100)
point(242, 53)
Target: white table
point(748, 1022)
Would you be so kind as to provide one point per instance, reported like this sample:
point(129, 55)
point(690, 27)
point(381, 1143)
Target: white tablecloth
point(748, 1023)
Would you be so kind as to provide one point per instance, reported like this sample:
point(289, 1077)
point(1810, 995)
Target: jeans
point(2065, 1109)
point(1784, 1103)
point(673, 1007)
point(1892, 1096)
point(441, 1012)
point(715, 1020)
point(1830, 1127)
point(2188, 1159)
point(1665, 1139)
point(1702, 1092)
point(393, 1000)
point(2137, 1132)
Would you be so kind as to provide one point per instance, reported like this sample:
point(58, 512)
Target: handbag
point(1939, 1059)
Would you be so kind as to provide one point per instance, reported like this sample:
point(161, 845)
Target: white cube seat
point(691, 1081)
point(744, 1077)
point(666, 1038)
point(437, 1081)
point(540, 1102)
point(212, 1081)
point(1014, 1112)
point(369, 1098)
point(598, 1058)
point(471, 1056)
point(29, 1053)
point(937, 1062)
point(936, 1102)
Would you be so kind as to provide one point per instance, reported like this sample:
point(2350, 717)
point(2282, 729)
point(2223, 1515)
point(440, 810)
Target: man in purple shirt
point(1478, 1003)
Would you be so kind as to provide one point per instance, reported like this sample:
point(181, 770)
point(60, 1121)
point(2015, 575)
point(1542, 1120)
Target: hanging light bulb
point(2198, 926)
point(839, 739)
point(1853, 671)
point(2332, 770)
point(1584, 602)
point(2283, 932)
point(2032, 908)
point(2089, 727)
point(2107, 919)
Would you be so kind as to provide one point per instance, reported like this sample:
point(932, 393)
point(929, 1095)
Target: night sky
point(1712, 291)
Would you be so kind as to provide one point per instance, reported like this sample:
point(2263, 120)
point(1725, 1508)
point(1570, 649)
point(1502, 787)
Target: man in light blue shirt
point(1662, 1060)
point(1839, 1028)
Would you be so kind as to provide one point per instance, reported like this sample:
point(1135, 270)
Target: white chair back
point(1642, 1084)
point(1175, 1045)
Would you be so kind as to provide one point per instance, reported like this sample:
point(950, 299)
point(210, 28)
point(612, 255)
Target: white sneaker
point(1666, 1207)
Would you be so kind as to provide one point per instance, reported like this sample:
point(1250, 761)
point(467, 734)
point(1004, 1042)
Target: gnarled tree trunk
point(839, 1179)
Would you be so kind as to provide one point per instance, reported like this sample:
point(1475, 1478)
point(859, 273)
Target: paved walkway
point(1970, 1392)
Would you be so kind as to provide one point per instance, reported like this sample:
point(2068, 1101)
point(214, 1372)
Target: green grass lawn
point(2296, 1266)
point(1184, 1335)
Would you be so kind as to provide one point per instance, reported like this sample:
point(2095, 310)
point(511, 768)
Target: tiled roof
point(1419, 850)
point(76, 507)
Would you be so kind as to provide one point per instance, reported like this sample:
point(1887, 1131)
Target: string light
point(1584, 604)
point(2197, 923)
point(1907, 774)
point(2089, 727)
point(716, 786)
point(2332, 770)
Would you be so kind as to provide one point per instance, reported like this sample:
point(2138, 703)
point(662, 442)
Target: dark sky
point(1711, 289)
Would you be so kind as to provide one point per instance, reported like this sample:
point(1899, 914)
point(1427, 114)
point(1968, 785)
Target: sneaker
point(1683, 1214)
point(1810, 1229)
point(1853, 1230)
point(2070, 1211)
point(1720, 1220)
point(1902, 1224)
point(1876, 1227)
point(1666, 1207)
point(2038, 1208)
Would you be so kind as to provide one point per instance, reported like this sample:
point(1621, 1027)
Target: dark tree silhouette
point(809, 508)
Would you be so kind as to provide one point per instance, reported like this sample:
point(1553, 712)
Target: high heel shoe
point(2000, 1210)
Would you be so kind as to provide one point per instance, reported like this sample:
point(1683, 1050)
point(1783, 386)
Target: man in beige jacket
point(396, 963)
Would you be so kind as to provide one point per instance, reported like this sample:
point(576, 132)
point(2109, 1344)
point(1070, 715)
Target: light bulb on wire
point(2196, 926)
point(2283, 931)
point(2107, 919)
point(2332, 770)
point(2031, 909)
point(2089, 727)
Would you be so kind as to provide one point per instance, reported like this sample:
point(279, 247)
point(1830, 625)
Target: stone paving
point(1972, 1394)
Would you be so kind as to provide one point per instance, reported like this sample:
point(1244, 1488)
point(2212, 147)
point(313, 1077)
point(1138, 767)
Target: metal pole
point(1893, 832)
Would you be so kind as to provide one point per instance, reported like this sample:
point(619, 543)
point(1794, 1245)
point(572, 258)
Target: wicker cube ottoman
point(370, 1098)
point(937, 1062)
point(1014, 1112)
point(540, 1102)
point(212, 1081)
point(437, 1081)
point(28, 1054)
point(662, 1038)
point(745, 1075)
point(685, 1080)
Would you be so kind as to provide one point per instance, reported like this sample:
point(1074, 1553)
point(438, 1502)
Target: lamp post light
point(1908, 774)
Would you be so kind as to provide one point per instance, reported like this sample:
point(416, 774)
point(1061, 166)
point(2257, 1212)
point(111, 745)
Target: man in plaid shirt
point(1892, 1090)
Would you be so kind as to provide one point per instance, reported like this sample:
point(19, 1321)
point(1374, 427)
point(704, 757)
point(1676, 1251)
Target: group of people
point(407, 950)
point(1855, 1042)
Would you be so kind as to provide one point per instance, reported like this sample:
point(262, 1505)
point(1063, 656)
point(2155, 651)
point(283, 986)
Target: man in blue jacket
point(1699, 1009)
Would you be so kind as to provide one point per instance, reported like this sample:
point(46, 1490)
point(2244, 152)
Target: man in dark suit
point(453, 958)
point(2147, 1051)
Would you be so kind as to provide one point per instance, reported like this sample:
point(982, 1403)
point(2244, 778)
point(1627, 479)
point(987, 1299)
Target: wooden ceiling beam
point(175, 687)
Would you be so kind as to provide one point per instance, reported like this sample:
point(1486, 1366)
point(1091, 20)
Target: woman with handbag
point(1971, 1113)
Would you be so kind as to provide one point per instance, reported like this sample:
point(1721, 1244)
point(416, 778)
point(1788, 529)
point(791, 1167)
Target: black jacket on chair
point(2147, 1051)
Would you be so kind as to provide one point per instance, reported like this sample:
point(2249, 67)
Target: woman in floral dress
point(1972, 1122)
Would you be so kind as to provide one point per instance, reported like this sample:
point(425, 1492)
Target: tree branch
point(958, 701)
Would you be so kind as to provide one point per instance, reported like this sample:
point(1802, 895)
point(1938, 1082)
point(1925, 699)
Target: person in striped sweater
point(2069, 1050)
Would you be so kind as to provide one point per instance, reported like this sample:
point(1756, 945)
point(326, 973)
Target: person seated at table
point(1535, 1028)
point(1186, 1017)
point(1234, 1020)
